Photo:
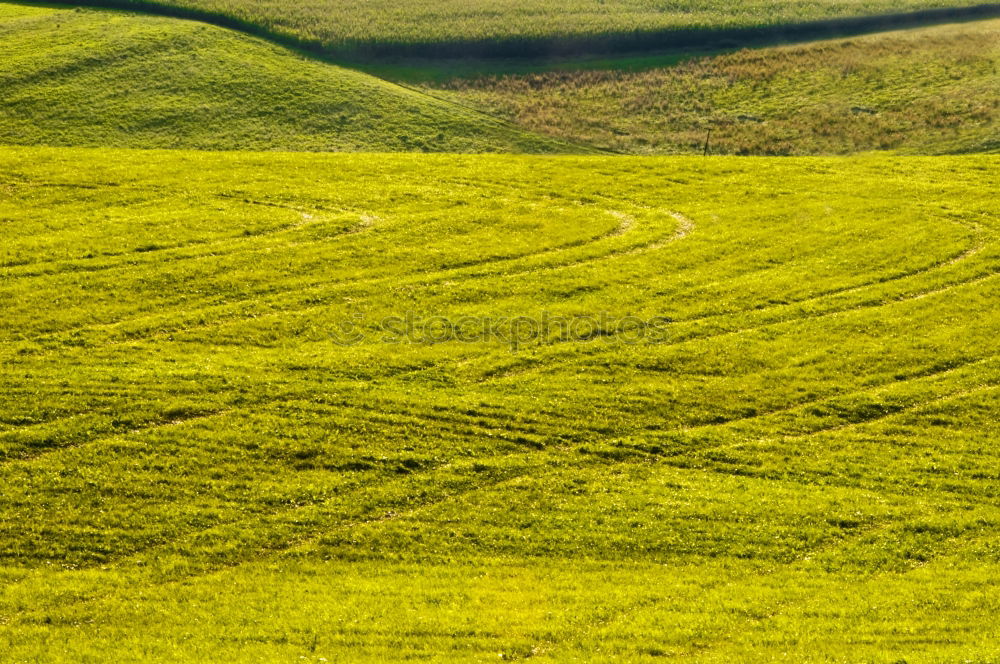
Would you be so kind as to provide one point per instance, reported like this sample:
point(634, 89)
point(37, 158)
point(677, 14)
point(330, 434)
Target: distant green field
point(350, 408)
point(932, 90)
point(103, 78)
point(462, 28)
point(87, 78)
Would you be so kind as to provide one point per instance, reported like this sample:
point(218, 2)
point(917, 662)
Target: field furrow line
point(272, 298)
point(565, 357)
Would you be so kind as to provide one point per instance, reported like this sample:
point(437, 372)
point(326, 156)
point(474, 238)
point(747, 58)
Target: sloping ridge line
point(564, 45)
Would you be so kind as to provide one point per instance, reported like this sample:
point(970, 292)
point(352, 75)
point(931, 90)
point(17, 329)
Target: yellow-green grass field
point(471, 28)
point(111, 79)
point(351, 408)
point(925, 91)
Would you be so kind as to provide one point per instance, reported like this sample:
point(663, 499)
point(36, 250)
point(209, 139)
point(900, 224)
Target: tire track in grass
point(475, 487)
point(291, 546)
point(207, 249)
point(153, 424)
point(308, 216)
point(885, 386)
point(203, 416)
point(908, 410)
point(780, 605)
point(550, 363)
point(805, 596)
point(491, 426)
point(682, 231)
point(563, 357)
point(13, 427)
point(684, 228)
point(416, 278)
point(698, 452)
point(962, 256)
point(476, 428)
point(972, 250)
point(388, 512)
point(263, 553)
point(383, 415)
point(950, 393)
point(367, 221)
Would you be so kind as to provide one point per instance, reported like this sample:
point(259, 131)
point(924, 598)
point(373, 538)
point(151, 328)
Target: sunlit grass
point(196, 467)
point(88, 78)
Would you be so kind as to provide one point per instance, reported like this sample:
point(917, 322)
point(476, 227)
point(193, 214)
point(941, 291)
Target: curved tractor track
point(176, 412)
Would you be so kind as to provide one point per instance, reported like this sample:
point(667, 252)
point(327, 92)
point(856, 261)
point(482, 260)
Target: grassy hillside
point(100, 78)
point(934, 90)
point(350, 407)
point(86, 78)
point(462, 28)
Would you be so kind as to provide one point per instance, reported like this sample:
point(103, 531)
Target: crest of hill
point(540, 28)
point(109, 79)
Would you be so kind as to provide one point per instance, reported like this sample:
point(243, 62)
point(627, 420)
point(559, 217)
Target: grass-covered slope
point(88, 78)
point(358, 408)
point(932, 90)
point(106, 78)
point(464, 28)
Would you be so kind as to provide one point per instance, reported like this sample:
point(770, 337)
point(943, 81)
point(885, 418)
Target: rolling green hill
point(466, 28)
point(300, 407)
point(100, 78)
point(932, 90)
point(87, 78)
